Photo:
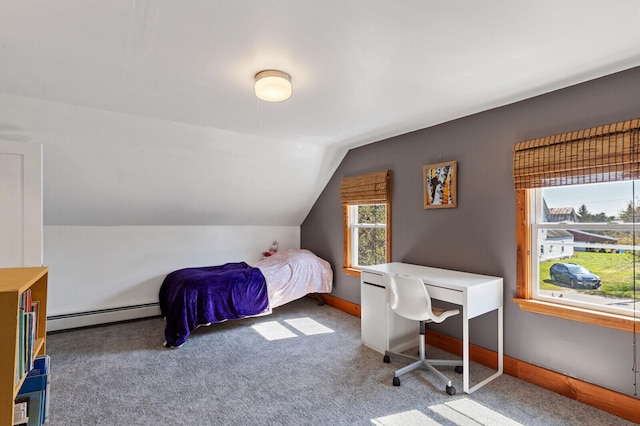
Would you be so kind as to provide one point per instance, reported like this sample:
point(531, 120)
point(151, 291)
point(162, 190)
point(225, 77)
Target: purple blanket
point(196, 296)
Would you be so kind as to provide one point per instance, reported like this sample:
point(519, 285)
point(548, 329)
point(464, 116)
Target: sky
point(610, 198)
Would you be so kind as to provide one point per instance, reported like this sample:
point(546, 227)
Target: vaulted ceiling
point(147, 114)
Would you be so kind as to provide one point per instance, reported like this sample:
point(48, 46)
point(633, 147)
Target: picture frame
point(439, 185)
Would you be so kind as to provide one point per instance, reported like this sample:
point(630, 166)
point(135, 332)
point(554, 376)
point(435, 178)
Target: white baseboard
point(103, 316)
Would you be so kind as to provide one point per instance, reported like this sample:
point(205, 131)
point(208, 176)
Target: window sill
point(603, 319)
point(351, 271)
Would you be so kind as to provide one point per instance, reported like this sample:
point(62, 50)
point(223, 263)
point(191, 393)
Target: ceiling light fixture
point(273, 86)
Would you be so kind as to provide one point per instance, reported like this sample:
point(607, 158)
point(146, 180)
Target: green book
point(21, 349)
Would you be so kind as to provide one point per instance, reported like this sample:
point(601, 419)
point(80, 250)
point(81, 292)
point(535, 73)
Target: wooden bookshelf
point(13, 283)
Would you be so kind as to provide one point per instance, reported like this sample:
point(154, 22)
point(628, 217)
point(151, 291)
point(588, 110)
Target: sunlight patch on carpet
point(406, 418)
point(273, 330)
point(464, 411)
point(308, 326)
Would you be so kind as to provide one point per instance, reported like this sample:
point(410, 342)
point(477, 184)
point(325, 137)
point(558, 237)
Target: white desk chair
point(410, 299)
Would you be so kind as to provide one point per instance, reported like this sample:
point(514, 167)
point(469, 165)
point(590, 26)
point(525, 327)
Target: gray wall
point(479, 235)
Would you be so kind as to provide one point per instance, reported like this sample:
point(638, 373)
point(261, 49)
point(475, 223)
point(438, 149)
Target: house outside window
point(588, 259)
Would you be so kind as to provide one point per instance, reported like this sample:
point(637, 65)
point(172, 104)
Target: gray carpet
point(229, 374)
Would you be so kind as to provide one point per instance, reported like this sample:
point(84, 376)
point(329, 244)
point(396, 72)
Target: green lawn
point(615, 271)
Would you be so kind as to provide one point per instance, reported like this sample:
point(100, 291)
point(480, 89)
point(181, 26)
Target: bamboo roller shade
point(601, 154)
point(370, 188)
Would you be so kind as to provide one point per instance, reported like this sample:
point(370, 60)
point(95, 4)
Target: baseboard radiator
point(101, 316)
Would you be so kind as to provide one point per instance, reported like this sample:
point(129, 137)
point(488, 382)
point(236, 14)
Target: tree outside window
point(370, 234)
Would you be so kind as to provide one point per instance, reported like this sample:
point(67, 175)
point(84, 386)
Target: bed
point(193, 297)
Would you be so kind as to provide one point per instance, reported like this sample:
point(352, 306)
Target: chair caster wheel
point(386, 359)
point(396, 382)
point(459, 369)
point(451, 390)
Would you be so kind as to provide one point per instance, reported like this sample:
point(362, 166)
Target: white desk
point(383, 330)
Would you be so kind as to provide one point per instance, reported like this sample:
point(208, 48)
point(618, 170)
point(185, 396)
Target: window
point(577, 231)
point(588, 240)
point(367, 234)
point(367, 217)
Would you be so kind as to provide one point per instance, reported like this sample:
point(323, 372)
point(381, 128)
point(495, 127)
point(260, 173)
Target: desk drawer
point(445, 294)
point(372, 278)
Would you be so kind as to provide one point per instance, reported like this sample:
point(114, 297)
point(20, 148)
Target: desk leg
point(500, 356)
point(500, 342)
point(465, 352)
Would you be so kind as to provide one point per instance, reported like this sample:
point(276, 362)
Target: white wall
point(106, 168)
point(103, 267)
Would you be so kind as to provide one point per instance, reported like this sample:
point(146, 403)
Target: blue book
point(40, 365)
point(38, 380)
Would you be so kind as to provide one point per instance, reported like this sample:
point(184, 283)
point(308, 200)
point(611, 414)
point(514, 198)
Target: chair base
point(423, 362)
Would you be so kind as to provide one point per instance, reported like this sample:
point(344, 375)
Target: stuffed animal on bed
point(273, 248)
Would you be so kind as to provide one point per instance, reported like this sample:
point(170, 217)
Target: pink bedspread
point(292, 274)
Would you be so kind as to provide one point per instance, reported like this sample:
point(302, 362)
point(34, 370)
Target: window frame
point(349, 230)
point(524, 282)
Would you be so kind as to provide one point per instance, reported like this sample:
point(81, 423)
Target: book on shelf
point(38, 380)
point(35, 407)
point(20, 351)
point(35, 308)
point(29, 340)
point(26, 300)
point(20, 416)
point(27, 334)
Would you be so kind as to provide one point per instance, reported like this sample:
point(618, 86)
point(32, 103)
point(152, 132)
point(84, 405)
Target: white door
point(20, 204)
